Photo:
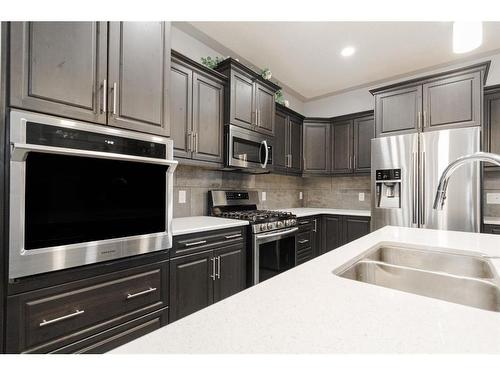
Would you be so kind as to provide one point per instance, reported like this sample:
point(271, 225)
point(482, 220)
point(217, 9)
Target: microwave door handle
point(266, 159)
point(20, 151)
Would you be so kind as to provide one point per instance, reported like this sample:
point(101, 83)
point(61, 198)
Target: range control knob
point(263, 226)
point(280, 224)
point(270, 226)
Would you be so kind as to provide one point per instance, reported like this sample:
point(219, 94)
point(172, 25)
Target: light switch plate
point(263, 196)
point(361, 197)
point(301, 196)
point(493, 198)
point(182, 196)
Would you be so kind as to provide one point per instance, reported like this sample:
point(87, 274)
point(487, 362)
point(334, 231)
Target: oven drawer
point(304, 255)
point(304, 240)
point(57, 316)
point(192, 243)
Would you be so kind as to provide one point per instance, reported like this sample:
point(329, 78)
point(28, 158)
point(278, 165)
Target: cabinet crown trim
point(232, 63)
point(183, 59)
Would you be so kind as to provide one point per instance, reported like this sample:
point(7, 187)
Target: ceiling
point(305, 56)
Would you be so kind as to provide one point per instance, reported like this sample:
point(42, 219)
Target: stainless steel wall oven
point(82, 193)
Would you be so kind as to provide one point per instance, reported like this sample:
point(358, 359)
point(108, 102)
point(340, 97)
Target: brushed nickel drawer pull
point(147, 291)
point(61, 318)
point(303, 222)
point(232, 236)
point(303, 241)
point(218, 267)
point(195, 243)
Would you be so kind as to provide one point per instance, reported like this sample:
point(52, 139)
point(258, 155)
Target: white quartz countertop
point(193, 224)
point(307, 211)
point(309, 309)
point(491, 220)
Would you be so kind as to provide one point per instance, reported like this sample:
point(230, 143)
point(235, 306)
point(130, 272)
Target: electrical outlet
point(301, 196)
point(264, 196)
point(182, 196)
point(361, 197)
point(493, 198)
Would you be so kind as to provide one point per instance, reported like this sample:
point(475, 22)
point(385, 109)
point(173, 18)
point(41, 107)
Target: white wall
point(360, 99)
point(195, 49)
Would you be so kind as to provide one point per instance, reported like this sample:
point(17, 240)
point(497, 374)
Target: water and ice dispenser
point(388, 188)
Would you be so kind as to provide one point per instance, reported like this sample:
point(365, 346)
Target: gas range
point(242, 205)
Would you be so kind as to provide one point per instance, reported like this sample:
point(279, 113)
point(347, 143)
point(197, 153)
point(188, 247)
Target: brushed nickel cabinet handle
point(232, 236)
point(144, 292)
point(425, 119)
point(315, 225)
point(115, 89)
point(61, 318)
point(218, 267)
point(303, 222)
point(303, 241)
point(212, 276)
point(419, 120)
point(190, 141)
point(187, 244)
point(196, 142)
point(104, 96)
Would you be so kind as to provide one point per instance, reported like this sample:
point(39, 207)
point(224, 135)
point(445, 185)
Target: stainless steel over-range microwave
point(82, 193)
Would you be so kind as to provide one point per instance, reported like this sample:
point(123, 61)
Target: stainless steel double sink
point(467, 279)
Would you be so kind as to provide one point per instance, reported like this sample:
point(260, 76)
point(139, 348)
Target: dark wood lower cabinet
point(308, 240)
point(491, 229)
point(199, 279)
point(355, 227)
point(49, 319)
point(338, 230)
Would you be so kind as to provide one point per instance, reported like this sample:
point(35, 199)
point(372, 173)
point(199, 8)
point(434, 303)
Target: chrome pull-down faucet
point(453, 166)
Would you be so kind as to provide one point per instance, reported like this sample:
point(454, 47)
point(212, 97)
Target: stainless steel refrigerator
point(405, 171)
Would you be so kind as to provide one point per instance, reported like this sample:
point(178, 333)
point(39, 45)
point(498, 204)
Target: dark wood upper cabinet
point(264, 109)
point(287, 152)
point(364, 132)
point(398, 111)
point(491, 140)
point(280, 157)
point(190, 286)
point(342, 147)
point(197, 114)
point(138, 76)
point(295, 149)
point(181, 104)
point(447, 100)
point(452, 102)
point(59, 68)
point(208, 118)
point(249, 99)
point(317, 145)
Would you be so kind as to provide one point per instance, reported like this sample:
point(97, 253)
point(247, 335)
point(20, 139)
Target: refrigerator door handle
point(422, 191)
point(415, 187)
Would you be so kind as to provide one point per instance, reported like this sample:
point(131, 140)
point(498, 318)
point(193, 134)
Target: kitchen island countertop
point(309, 309)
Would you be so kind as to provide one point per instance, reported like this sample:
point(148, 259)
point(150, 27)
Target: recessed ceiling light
point(467, 36)
point(348, 51)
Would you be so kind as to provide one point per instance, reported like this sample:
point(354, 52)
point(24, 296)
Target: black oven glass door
point(72, 199)
point(276, 257)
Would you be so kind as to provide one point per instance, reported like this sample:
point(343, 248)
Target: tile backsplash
point(491, 184)
point(281, 191)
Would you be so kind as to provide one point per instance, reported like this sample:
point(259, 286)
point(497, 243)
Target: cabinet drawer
point(304, 239)
point(492, 229)
point(192, 243)
point(117, 336)
point(304, 255)
point(57, 316)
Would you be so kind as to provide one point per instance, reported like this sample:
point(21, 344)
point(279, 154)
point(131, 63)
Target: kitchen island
point(309, 309)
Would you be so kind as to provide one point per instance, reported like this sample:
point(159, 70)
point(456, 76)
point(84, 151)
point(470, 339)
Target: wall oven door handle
point(261, 236)
point(266, 158)
point(20, 152)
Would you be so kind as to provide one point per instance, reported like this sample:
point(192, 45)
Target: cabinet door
point(231, 271)
point(295, 142)
point(280, 158)
point(191, 284)
point(59, 68)
point(332, 233)
point(342, 147)
point(364, 132)
point(265, 106)
point(398, 111)
point(492, 125)
point(139, 72)
point(452, 102)
point(208, 121)
point(242, 111)
point(181, 99)
point(317, 236)
point(355, 227)
point(316, 148)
